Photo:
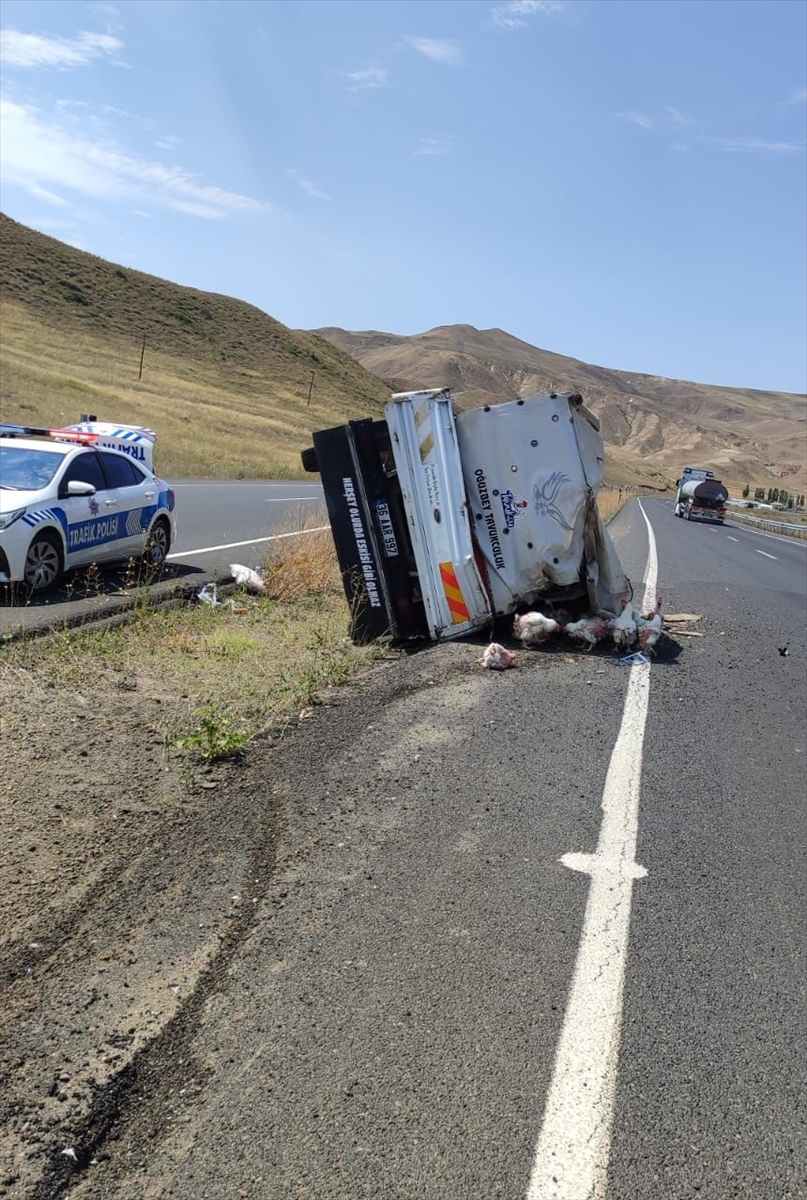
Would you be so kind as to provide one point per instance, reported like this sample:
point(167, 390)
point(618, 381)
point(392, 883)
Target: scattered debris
point(675, 621)
point(209, 594)
point(496, 658)
point(783, 650)
point(69, 1152)
point(247, 578)
point(630, 659)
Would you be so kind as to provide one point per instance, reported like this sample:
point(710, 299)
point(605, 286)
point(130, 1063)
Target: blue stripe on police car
point(93, 533)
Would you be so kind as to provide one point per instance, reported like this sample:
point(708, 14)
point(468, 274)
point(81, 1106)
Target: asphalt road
point(415, 1013)
point(221, 521)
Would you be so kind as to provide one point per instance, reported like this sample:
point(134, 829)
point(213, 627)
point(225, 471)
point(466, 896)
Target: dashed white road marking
point(773, 556)
point(277, 537)
point(571, 1158)
point(731, 539)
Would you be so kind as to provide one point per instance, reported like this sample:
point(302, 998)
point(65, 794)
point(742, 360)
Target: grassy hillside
point(225, 386)
point(652, 426)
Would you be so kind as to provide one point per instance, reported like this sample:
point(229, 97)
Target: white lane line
point(288, 499)
point(731, 539)
point(239, 483)
point(773, 556)
point(252, 542)
point(571, 1157)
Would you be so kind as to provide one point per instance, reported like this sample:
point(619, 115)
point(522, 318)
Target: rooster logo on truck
point(546, 496)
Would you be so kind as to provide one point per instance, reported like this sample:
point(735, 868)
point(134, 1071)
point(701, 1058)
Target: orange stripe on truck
point(456, 601)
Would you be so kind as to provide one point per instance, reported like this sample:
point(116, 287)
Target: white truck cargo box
point(532, 471)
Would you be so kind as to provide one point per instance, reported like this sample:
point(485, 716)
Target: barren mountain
point(652, 426)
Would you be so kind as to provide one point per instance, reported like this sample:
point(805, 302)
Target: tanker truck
point(701, 495)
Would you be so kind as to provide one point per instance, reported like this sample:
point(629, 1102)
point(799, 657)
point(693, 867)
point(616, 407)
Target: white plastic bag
point(247, 578)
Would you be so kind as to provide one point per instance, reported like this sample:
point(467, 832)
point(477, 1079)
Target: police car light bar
point(64, 435)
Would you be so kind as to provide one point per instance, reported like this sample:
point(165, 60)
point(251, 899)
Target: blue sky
point(622, 182)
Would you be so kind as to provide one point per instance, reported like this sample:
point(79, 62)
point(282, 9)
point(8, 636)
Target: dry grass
point(609, 502)
point(302, 566)
point(248, 666)
point(212, 421)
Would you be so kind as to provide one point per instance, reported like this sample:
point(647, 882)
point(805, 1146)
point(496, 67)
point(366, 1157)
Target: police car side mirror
point(77, 487)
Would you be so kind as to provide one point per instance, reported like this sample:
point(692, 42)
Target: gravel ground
point(123, 880)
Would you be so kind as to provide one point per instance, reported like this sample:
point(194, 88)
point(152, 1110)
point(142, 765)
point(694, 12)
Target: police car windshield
point(28, 470)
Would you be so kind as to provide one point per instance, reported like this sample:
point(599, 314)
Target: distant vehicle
point(79, 495)
point(701, 495)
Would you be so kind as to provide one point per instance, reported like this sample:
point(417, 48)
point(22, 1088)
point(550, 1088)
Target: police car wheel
point(43, 563)
point(158, 545)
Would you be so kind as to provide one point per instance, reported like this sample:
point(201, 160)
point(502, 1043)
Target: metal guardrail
point(786, 527)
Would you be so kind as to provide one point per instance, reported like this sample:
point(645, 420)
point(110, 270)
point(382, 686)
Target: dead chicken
point(588, 629)
point(496, 658)
point(649, 627)
point(623, 627)
point(532, 628)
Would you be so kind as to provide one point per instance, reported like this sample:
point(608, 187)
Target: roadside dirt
point(124, 884)
point(128, 892)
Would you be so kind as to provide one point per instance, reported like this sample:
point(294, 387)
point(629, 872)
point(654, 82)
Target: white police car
point(79, 495)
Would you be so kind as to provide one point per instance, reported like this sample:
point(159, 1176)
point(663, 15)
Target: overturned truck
point(443, 522)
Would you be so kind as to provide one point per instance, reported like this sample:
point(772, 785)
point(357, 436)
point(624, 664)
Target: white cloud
point(799, 96)
point(676, 117)
point(48, 159)
point(751, 145)
point(169, 142)
point(49, 197)
point(436, 145)
point(636, 118)
point(38, 50)
point(515, 14)
point(437, 49)
point(307, 186)
point(369, 77)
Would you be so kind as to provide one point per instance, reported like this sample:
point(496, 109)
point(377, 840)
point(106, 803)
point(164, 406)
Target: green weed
point(214, 739)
